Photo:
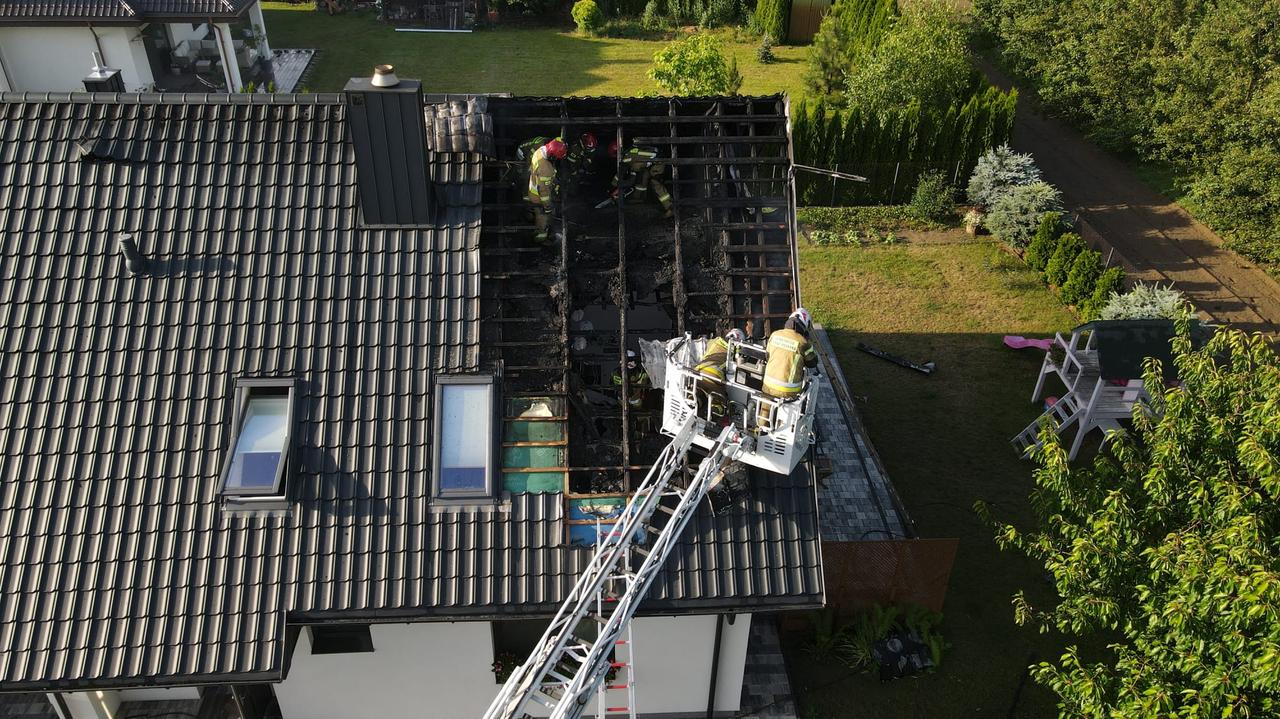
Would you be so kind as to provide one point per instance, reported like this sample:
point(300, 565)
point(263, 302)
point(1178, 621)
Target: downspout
point(97, 41)
point(8, 81)
point(222, 52)
point(715, 667)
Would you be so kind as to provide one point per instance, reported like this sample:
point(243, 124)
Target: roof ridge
point(128, 8)
point(178, 98)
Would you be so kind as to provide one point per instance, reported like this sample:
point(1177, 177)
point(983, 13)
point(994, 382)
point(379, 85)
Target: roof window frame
point(243, 392)
point(492, 466)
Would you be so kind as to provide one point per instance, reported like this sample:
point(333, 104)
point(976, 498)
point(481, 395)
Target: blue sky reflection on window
point(258, 453)
point(465, 437)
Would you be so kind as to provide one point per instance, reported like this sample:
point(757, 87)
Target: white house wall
point(442, 669)
point(40, 59)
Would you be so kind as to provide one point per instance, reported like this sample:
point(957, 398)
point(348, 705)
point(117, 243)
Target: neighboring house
point(157, 45)
point(225, 477)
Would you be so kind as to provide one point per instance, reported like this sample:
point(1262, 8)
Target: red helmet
point(613, 149)
point(556, 149)
point(589, 140)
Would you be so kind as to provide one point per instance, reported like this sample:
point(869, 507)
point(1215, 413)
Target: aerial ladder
point(582, 646)
point(569, 665)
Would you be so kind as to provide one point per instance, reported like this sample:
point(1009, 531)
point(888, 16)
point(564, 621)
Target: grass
point(521, 60)
point(944, 442)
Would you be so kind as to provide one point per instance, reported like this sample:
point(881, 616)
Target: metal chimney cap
point(384, 76)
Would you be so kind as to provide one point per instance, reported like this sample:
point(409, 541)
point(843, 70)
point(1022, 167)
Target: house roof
point(118, 566)
point(117, 11)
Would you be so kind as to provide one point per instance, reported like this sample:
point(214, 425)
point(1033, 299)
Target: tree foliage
point(849, 31)
point(997, 170)
point(1192, 82)
point(1169, 544)
point(771, 18)
point(934, 199)
point(893, 150)
point(1045, 241)
point(695, 65)
point(923, 58)
point(1064, 255)
point(588, 17)
point(1016, 213)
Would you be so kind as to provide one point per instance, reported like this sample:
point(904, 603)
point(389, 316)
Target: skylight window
point(464, 433)
point(260, 448)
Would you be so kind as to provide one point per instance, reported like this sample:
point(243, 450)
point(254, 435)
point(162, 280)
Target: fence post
point(893, 189)
point(833, 187)
point(955, 177)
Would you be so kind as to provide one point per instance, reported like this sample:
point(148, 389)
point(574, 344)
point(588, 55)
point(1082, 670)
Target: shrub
point(1239, 195)
point(1110, 282)
point(933, 199)
point(1082, 278)
point(695, 65)
point(868, 219)
point(1069, 245)
point(722, 13)
point(1045, 241)
point(771, 18)
point(587, 16)
point(1145, 302)
point(764, 53)
point(1017, 212)
point(997, 170)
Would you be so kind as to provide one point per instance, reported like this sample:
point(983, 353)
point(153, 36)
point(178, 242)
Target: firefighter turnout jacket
point(542, 178)
point(789, 354)
point(714, 359)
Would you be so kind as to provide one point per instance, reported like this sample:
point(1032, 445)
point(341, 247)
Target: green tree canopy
point(1170, 543)
point(922, 59)
point(695, 65)
point(850, 29)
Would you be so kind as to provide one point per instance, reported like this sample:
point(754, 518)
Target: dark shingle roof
point(117, 566)
point(28, 11)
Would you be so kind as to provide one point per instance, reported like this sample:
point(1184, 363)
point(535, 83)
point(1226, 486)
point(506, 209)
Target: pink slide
point(1021, 343)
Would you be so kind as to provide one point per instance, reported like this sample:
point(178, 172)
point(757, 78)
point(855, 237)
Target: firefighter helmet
point(802, 318)
point(556, 149)
point(736, 335)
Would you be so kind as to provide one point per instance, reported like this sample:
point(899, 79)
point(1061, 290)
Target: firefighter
point(789, 354)
point(641, 171)
point(638, 383)
point(711, 369)
point(583, 154)
point(543, 183)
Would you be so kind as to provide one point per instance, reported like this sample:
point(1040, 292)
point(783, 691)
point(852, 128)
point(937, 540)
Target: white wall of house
point(54, 58)
point(443, 669)
point(105, 704)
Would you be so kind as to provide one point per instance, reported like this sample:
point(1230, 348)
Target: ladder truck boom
point(566, 669)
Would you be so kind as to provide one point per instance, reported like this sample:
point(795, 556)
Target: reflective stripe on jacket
point(714, 359)
point(789, 353)
point(542, 177)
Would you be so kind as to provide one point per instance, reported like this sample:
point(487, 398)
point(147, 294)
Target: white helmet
point(801, 316)
point(736, 335)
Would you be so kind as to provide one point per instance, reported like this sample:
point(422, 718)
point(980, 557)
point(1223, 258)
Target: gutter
point(715, 666)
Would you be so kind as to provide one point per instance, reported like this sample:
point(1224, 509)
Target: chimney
point(133, 259)
point(387, 129)
point(103, 78)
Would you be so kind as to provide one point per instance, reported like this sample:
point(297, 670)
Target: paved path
point(1155, 235)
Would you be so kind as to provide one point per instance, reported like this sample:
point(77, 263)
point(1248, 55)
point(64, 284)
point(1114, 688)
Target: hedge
point(893, 150)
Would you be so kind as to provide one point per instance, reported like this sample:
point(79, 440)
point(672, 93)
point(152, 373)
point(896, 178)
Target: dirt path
point(1155, 235)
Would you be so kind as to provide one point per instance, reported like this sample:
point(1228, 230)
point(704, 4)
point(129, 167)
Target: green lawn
point(524, 61)
point(944, 442)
